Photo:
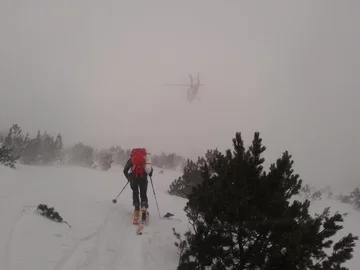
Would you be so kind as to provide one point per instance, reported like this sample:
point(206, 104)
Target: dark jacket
point(128, 174)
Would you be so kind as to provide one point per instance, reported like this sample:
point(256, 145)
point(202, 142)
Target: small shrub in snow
point(94, 166)
point(355, 198)
point(327, 192)
point(316, 195)
point(51, 214)
point(344, 198)
point(167, 161)
point(306, 191)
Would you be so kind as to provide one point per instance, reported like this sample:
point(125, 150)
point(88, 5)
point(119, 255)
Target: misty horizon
point(287, 70)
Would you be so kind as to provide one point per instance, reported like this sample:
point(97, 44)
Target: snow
point(102, 235)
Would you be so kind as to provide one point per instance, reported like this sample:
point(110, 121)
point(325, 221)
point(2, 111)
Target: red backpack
point(138, 160)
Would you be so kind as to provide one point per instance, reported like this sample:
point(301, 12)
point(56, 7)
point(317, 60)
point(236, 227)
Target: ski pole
point(115, 200)
point(155, 197)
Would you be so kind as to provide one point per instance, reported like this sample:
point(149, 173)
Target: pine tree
point(48, 148)
point(170, 161)
point(31, 152)
point(59, 142)
point(191, 177)
point(355, 198)
point(242, 218)
point(7, 156)
point(119, 156)
point(82, 154)
point(15, 139)
point(105, 160)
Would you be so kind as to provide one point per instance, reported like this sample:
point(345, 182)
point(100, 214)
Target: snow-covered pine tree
point(7, 156)
point(355, 198)
point(82, 155)
point(105, 160)
point(15, 139)
point(242, 218)
point(191, 177)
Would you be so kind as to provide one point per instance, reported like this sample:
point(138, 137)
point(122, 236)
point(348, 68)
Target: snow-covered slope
point(102, 235)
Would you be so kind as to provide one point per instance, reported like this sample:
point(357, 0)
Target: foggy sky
point(288, 70)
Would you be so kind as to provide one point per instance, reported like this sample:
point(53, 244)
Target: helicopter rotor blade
point(182, 84)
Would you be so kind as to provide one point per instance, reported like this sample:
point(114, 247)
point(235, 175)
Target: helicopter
point(193, 90)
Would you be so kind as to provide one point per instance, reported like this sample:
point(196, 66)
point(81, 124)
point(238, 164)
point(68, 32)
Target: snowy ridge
point(102, 234)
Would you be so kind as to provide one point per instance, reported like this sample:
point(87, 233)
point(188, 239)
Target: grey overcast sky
point(95, 71)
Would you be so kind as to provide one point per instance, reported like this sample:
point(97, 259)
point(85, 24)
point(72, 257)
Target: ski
point(144, 222)
point(140, 228)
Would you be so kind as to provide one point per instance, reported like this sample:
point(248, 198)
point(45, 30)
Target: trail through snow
point(102, 236)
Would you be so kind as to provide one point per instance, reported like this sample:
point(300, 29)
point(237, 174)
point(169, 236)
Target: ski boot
point(136, 218)
point(144, 216)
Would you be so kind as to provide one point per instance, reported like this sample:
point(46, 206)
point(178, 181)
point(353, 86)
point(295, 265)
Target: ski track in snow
point(70, 256)
point(15, 223)
point(107, 248)
point(114, 245)
point(22, 212)
point(101, 236)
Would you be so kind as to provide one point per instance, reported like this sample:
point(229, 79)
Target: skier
point(140, 169)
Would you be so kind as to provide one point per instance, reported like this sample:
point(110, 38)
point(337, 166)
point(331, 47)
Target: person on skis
point(136, 171)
